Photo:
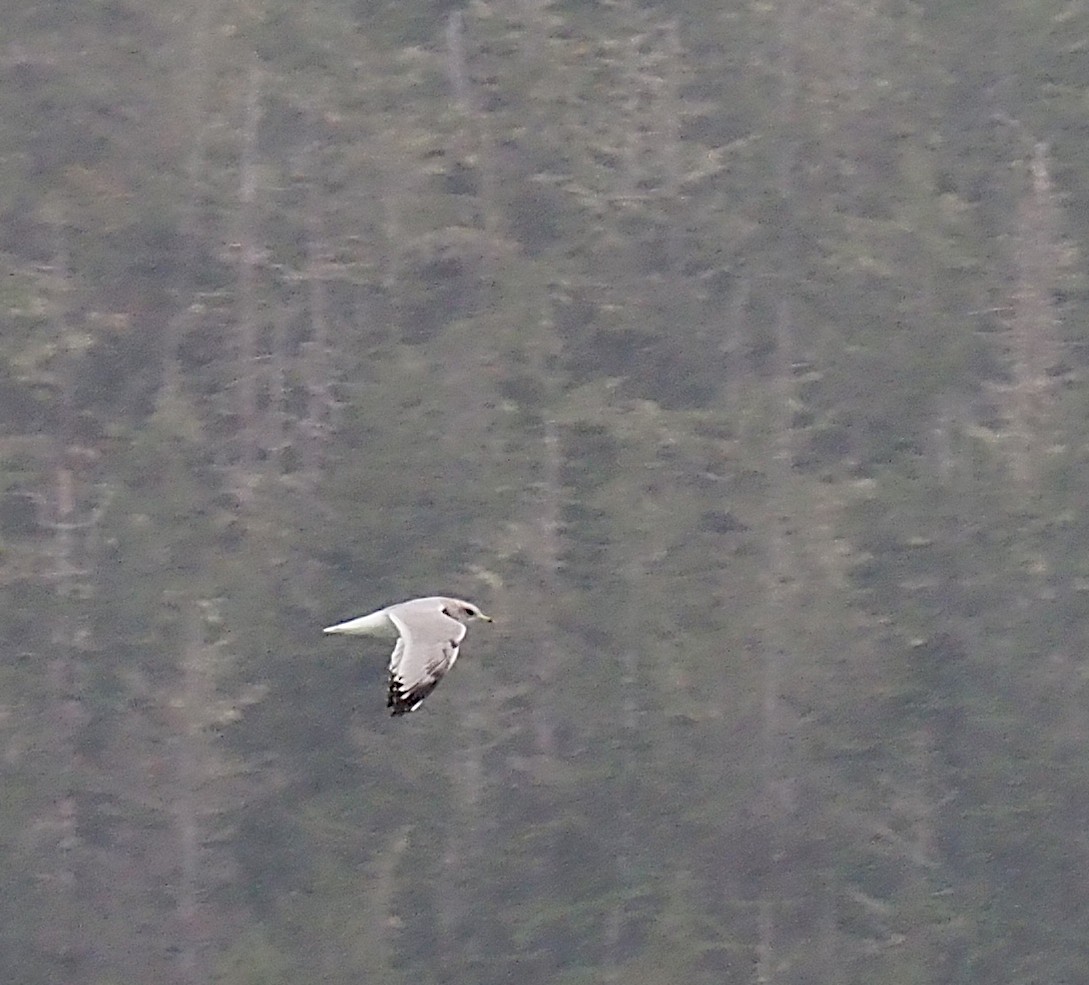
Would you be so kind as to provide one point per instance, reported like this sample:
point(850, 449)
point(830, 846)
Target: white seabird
point(428, 632)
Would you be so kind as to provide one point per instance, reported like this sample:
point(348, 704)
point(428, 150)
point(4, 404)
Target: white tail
point(375, 624)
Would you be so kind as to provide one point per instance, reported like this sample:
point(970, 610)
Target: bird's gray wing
point(425, 652)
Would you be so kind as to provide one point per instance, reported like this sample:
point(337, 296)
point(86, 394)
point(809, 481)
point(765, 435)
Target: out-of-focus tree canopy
point(730, 355)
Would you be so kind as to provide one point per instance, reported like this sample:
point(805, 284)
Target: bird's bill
point(486, 618)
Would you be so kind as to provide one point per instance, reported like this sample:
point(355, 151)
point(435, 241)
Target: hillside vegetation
point(731, 355)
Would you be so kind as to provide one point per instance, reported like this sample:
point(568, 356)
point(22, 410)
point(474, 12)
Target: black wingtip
point(402, 702)
point(397, 703)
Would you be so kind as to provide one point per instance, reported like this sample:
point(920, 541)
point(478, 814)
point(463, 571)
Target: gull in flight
point(428, 633)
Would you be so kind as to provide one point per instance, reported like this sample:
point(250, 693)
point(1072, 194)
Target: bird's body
point(428, 631)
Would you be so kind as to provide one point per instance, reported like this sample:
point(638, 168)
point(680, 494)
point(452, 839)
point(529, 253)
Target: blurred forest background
point(732, 355)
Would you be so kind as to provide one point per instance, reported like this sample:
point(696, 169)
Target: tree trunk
point(1039, 256)
point(248, 330)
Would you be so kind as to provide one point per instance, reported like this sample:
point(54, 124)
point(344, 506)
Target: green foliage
point(698, 350)
point(254, 960)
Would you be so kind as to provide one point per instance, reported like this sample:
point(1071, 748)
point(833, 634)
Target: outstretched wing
point(425, 652)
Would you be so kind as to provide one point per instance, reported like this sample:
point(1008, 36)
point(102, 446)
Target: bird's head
point(464, 611)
